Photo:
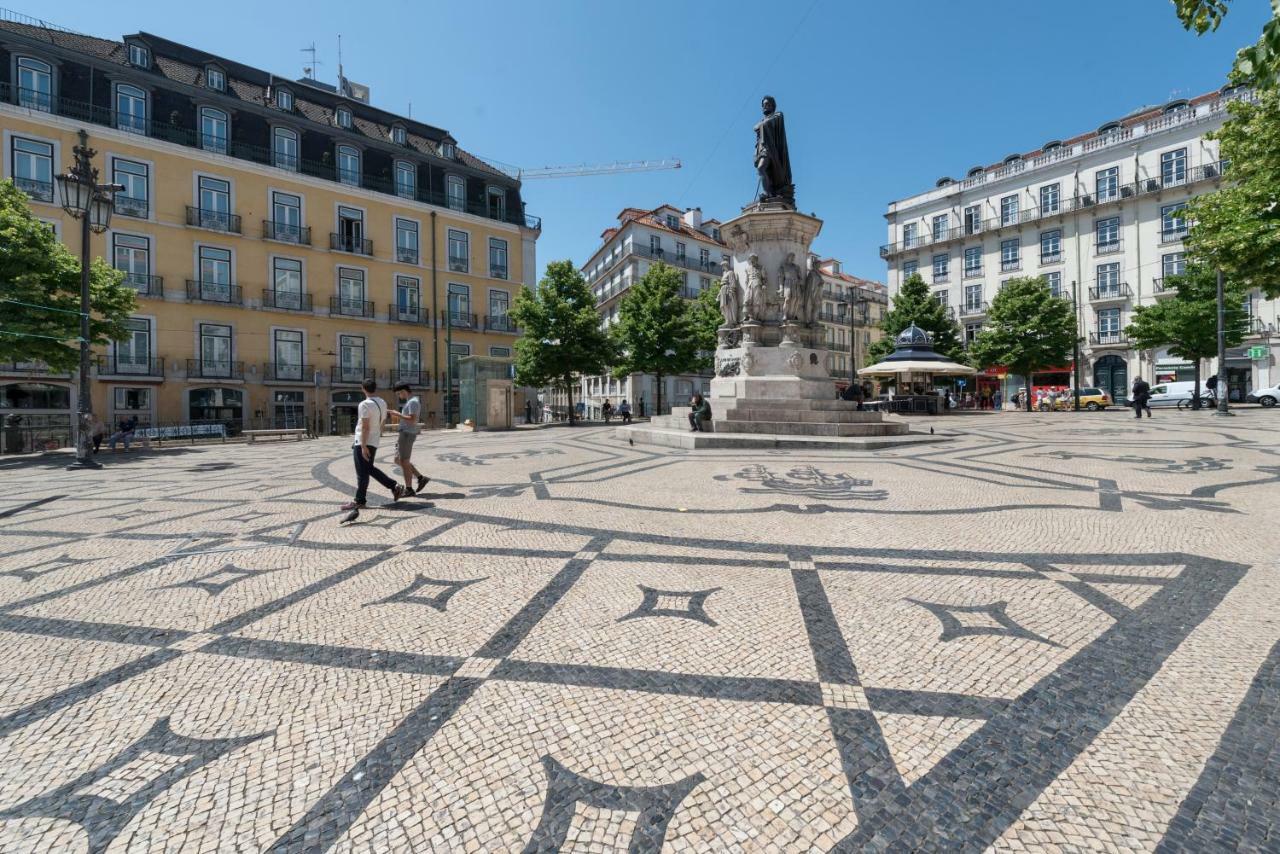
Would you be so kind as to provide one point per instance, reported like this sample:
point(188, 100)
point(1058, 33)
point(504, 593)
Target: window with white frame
point(1173, 222)
point(130, 401)
point(215, 79)
point(286, 217)
point(216, 348)
point(135, 199)
point(351, 230)
point(351, 292)
point(408, 361)
point(214, 198)
point(1010, 254)
point(1054, 281)
point(941, 267)
point(973, 219)
point(459, 304)
point(406, 241)
point(35, 84)
point(673, 222)
point(973, 297)
point(499, 306)
point(351, 358)
point(349, 165)
point(1107, 234)
point(973, 261)
point(1051, 246)
point(215, 274)
point(139, 56)
point(1109, 321)
point(909, 269)
point(704, 258)
point(940, 224)
point(1107, 183)
point(971, 331)
point(1050, 198)
point(284, 148)
point(131, 254)
point(284, 100)
point(344, 118)
point(942, 297)
point(1173, 264)
point(496, 201)
point(1173, 167)
point(910, 234)
point(681, 251)
point(406, 179)
point(459, 251)
point(1108, 283)
point(1009, 210)
point(448, 150)
point(131, 108)
point(286, 283)
point(215, 130)
point(287, 354)
point(31, 166)
point(500, 352)
point(655, 245)
point(408, 299)
point(497, 258)
point(398, 135)
point(456, 193)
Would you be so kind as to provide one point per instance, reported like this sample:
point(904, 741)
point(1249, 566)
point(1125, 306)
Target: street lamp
point(847, 306)
point(91, 203)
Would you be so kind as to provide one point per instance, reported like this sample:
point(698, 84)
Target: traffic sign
point(1257, 352)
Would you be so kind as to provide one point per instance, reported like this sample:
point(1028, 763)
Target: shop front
point(1239, 374)
point(34, 416)
point(1111, 375)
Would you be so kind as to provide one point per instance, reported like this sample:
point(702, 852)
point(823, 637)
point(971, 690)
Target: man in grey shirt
point(408, 417)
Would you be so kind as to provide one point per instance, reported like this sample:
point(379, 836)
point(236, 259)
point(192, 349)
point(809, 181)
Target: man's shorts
point(404, 445)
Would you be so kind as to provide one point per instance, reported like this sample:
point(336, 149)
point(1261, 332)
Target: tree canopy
point(40, 289)
point(914, 303)
point(1187, 322)
point(1237, 228)
point(705, 319)
point(1258, 63)
point(562, 335)
point(655, 333)
point(1028, 329)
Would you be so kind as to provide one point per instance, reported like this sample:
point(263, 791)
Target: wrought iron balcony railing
point(286, 232)
point(129, 206)
point(118, 365)
point(214, 292)
point(1107, 339)
point(500, 323)
point(286, 300)
point(416, 378)
point(406, 255)
point(350, 243)
point(213, 220)
point(347, 374)
point(348, 307)
point(973, 309)
point(41, 191)
point(460, 320)
point(1110, 293)
point(215, 369)
point(407, 314)
point(147, 286)
point(291, 372)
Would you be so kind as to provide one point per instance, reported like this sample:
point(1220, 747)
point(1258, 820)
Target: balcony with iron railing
point(407, 254)
point(1161, 288)
point(285, 232)
point(288, 372)
point(224, 292)
point(972, 272)
point(115, 364)
point(1255, 326)
point(286, 300)
point(129, 206)
point(1116, 292)
point(941, 278)
point(974, 309)
point(40, 191)
point(1107, 247)
point(460, 320)
point(350, 243)
point(497, 271)
point(215, 369)
point(501, 323)
point(1048, 258)
point(686, 261)
point(30, 368)
point(414, 314)
point(417, 378)
point(1010, 265)
point(350, 307)
point(146, 286)
point(1173, 235)
point(168, 130)
point(350, 374)
point(213, 220)
point(1108, 338)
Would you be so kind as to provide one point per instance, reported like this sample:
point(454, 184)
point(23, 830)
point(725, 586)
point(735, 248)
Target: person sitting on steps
point(701, 412)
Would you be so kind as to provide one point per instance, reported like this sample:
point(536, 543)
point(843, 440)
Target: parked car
point(1091, 399)
point(1265, 396)
point(1176, 393)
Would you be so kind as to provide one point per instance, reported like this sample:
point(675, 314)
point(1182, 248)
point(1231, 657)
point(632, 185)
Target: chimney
point(693, 218)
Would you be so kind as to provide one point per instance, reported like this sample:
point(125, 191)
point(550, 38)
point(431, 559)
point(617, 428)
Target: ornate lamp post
point(863, 308)
point(91, 203)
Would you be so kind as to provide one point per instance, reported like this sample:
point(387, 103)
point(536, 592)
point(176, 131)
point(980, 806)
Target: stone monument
point(771, 385)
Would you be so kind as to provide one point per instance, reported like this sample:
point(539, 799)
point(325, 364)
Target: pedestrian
point(624, 410)
point(580, 410)
point(1141, 398)
point(700, 412)
point(528, 412)
point(408, 418)
point(97, 432)
point(607, 410)
point(370, 416)
point(124, 433)
point(996, 399)
point(642, 406)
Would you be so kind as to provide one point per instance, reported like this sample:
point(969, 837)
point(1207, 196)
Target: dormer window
point(398, 135)
point(139, 56)
point(672, 222)
point(344, 118)
point(284, 100)
point(215, 79)
point(448, 150)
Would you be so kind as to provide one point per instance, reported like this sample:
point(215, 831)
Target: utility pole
point(1075, 359)
point(1223, 409)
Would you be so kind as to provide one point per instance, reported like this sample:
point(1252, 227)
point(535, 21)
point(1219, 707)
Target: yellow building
point(286, 238)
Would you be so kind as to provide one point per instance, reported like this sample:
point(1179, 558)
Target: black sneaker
point(423, 480)
point(397, 492)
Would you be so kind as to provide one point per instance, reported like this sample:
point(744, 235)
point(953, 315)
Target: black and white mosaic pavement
point(1053, 632)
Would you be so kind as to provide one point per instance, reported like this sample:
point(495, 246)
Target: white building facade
point(681, 239)
point(1096, 215)
point(852, 309)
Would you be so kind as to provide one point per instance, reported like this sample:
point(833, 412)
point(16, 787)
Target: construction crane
point(615, 168)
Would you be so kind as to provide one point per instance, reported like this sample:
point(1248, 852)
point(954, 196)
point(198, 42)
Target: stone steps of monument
point(815, 416)
point(788, 404)
point(807, 428)
point(648, 434)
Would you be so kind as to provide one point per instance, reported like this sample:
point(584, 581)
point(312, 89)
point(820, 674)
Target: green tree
point(1028, 329)
point(655, 333)
point(562, 334)
point(1188, 322)
point(1237, 228)
point(914, 303)
point(705, 319)
point(1258, 63)
point(40, 289)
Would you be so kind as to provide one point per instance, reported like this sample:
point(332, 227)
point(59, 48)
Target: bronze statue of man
point(772, 160)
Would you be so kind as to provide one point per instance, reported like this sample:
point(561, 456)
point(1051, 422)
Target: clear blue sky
point(880, 98)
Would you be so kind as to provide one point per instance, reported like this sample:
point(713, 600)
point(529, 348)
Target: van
point(1171, 394)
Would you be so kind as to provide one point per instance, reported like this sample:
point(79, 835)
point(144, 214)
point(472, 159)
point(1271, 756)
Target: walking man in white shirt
point(370, 417)
point(408, 417)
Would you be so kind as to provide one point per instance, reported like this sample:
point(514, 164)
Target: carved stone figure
point(757, 299)
point(772, 160)
point(792, 289)
point(812, 292)
point(730, 299)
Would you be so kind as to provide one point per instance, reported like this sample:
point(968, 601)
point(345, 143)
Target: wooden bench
point(298, 433)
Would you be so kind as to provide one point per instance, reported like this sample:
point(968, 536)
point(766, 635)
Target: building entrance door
point(1111, 374)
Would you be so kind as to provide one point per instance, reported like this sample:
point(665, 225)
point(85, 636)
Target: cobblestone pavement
point(569, 643)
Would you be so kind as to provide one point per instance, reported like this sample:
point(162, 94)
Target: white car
point(1265, 396)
